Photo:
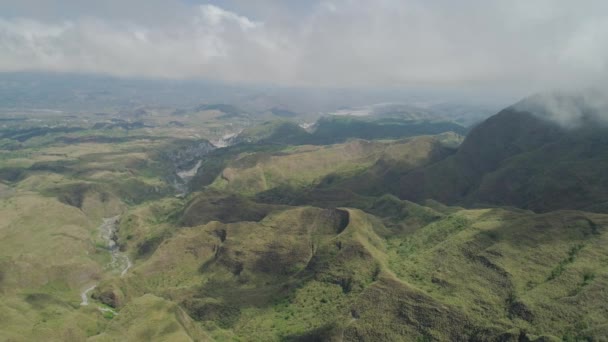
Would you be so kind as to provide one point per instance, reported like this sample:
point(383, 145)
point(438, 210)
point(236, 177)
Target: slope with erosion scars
point(512, 270)
point(340, 273)
point(390, 309)
point(278, 245)
point(238, 277)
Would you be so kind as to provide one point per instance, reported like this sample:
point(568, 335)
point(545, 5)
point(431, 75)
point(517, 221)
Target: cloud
point(571, 110)
point(206, 44)
point(217, 17)
point(342, 42)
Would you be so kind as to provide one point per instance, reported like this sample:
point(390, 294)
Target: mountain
point(364, 229)
point(524, 159)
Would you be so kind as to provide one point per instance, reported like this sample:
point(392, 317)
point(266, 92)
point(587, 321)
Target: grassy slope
point(540, 273)
point(470, 274)
point(50, 248)
point(301, 167)
point(47, 258)
point(306, 166)
point(152, 318)
point(219, 265)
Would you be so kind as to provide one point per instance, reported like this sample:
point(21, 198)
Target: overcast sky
point(529, 44)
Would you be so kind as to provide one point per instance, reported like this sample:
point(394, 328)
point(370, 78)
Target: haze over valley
point(303, 171)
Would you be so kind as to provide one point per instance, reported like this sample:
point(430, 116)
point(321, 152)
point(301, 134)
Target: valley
point(303, 171)
point(131, 226)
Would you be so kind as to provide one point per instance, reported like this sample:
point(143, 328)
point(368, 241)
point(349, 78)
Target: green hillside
point(340, 273)
point(359, 231)
point(519, 159)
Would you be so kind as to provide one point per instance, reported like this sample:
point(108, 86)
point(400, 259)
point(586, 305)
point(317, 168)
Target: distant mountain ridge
point(336, 129)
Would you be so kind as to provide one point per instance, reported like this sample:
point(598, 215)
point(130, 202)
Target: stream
point(85, 295)
point(120, 261)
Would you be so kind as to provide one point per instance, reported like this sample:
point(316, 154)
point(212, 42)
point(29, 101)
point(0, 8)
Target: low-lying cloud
point(571, 110)
point(529, 44)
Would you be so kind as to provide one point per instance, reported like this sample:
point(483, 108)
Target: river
point(120, 262)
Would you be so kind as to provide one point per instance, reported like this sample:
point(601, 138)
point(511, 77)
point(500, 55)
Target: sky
point(517, 44)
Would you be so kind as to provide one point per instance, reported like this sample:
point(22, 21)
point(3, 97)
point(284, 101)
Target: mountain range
point(357, 229)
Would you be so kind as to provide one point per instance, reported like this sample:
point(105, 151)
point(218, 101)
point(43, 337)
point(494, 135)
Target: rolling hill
point(363, 230)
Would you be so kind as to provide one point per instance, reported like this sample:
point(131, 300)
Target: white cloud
point(202, 45)
point(342, 42)
point(217, 17)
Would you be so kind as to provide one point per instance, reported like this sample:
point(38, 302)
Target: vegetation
point(278, 239)
point(519, 159)
point(337, 129)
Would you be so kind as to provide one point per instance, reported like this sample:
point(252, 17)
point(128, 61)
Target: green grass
point(288, 243)
point(560, 268)
point(356, 165)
